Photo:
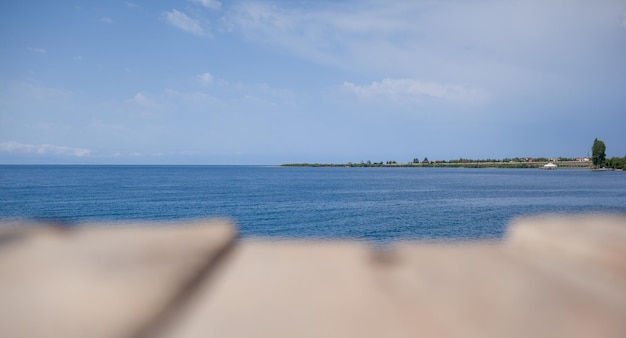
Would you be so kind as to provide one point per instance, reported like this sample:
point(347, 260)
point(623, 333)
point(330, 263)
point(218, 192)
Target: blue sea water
point(371, 204)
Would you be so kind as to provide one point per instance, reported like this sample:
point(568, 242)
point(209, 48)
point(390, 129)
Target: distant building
point(549, 166)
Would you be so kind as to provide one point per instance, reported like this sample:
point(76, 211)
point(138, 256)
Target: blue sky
point(270, 82)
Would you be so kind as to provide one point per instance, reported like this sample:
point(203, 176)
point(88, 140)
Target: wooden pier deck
point(550, 277)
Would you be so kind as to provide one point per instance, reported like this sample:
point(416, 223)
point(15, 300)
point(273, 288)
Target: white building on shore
point(550, 166)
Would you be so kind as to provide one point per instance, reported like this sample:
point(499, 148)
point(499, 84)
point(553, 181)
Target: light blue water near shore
point(373, 204)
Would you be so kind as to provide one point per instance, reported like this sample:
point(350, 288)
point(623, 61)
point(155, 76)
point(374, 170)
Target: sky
point(271, 82)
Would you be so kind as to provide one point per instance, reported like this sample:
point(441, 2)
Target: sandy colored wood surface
point(549, 277)
point(97, 281)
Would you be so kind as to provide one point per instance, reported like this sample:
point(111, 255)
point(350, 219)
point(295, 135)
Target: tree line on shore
point(598, 160)
point(466, 163)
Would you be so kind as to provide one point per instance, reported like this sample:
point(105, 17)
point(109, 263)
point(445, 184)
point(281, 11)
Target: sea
point(377, 205)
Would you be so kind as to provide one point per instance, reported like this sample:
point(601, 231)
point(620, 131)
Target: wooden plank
point(554, 277)
point(487, 291)
point(587, 245)
point(292, 290)
point(496, 289)
point(101, 281)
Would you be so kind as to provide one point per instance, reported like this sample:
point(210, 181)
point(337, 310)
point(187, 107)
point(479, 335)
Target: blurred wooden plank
point(550, 277)
point(586, 245)
point(101, 282)
point(292, 290)
point(486, 291)
point(413, 289)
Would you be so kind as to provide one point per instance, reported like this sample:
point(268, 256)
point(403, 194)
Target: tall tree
point(598, 154)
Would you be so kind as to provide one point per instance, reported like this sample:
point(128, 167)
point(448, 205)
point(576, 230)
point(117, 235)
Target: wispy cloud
point(331, 33)
point(210, 4)
point(131, 5)
point(191, 97)
point(181, 21)
point(205, 78)
point(106, 20)
point(143, 154)
point(403, 89)
point(491, 44)
point(37, 50)
point(35, 91)
point(143, 100)
point(43, 149)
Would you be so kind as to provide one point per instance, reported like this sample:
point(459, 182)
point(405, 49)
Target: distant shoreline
point(513, 165)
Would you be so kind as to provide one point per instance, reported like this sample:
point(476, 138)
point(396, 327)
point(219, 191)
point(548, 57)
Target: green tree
point(598, 154)
point(616, 162)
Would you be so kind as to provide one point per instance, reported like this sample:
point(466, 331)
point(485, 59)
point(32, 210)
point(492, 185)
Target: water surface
point(373, 204)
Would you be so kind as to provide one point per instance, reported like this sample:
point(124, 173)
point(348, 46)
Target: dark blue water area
point(370, 204)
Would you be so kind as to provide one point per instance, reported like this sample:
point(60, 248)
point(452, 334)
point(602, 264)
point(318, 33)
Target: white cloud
point(106, 20)
point(131, 5)
point(140, 154)
point(490, 44)
point(97, 124)
point(205, 78)
point(407, 89)
point(32, 91)
point(43, 149)
point(143, 100)
point(182, 21)
point(190, 98)
point(37, 50)
point(331, 33)
point(210, 4)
